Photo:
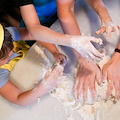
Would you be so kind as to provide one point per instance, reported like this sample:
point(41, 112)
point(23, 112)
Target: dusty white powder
point(63, 92)
point(87, 111)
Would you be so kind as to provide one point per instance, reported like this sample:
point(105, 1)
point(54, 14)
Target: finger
point(57, 59)
point(92, 88)
point(79, 87)
point(58, 70)
point(108, 31)
point(96, 53)
point(96, 40)
point(104, 75)
point(101, 30)
point(59, 80)
point(115, 28)
point(110, 88)
point(85, 89)
point(117, 93)
point(75, 85)
point(63, 60)
point(98, 77)
point(90, 56)
point(118, 27)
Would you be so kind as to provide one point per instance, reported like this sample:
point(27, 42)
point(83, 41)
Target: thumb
point(96, 40)
point(98, 77)
point(101, 30)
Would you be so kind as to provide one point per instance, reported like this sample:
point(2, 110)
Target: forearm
point(44, 34)
point(116, 55)
point(50, 47)
point(21, 98)
point(99, 7)
point(31, 96)
point(39, 32)
point(69, 25)
point(71, 28)
point(118, 45)
point(67, 18)
point(24, 34)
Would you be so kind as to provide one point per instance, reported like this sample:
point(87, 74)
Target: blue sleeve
point(14, 32)
point(4, 74)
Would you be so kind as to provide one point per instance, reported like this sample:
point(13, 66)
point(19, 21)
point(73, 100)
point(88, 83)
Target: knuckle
point(84, 88)
point(111, 87)
point(92, 87)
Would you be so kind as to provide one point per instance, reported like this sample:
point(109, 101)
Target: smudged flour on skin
point(89, 110)
point(83, 45)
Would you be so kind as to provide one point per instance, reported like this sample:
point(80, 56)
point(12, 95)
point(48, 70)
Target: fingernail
point(104, 80)
point(100, 81)
point(107, 96)
point(84, 99)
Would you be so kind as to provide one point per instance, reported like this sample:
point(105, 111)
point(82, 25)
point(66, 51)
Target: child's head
point(6, 47)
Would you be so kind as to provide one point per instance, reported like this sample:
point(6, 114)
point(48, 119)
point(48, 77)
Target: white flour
point(64, 93)
point(88, 110)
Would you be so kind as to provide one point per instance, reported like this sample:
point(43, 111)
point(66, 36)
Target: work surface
point(32, 67)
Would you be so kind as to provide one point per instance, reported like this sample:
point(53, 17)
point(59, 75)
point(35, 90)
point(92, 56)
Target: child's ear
point(10, 53)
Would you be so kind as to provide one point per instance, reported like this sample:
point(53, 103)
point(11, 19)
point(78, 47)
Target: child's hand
point(111, 73)
point(87, 73)
point(83, 45)
point(108, 27)
point(60, 58)
point(53, 78)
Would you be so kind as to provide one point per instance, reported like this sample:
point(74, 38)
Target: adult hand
point(108, 27)
point(60, 58)
point(83, 45)
point(87, 73)
point(111, 73)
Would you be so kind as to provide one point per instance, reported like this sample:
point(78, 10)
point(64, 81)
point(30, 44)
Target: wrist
point(105, 17)
point(45, 86)
point(116, 56)
point(55, 52)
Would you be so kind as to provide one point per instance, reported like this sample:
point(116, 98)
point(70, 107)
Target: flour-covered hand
point(111, 73)
point(60, 58)
point(53, 77)
point(87, 73)
point(83, 45)
point(108, 27)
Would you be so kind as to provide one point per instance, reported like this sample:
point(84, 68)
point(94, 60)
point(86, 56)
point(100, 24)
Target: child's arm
point(39, 32)
point(23, 34)
point(107, 25)
point(58, 56)
point(13, 94)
